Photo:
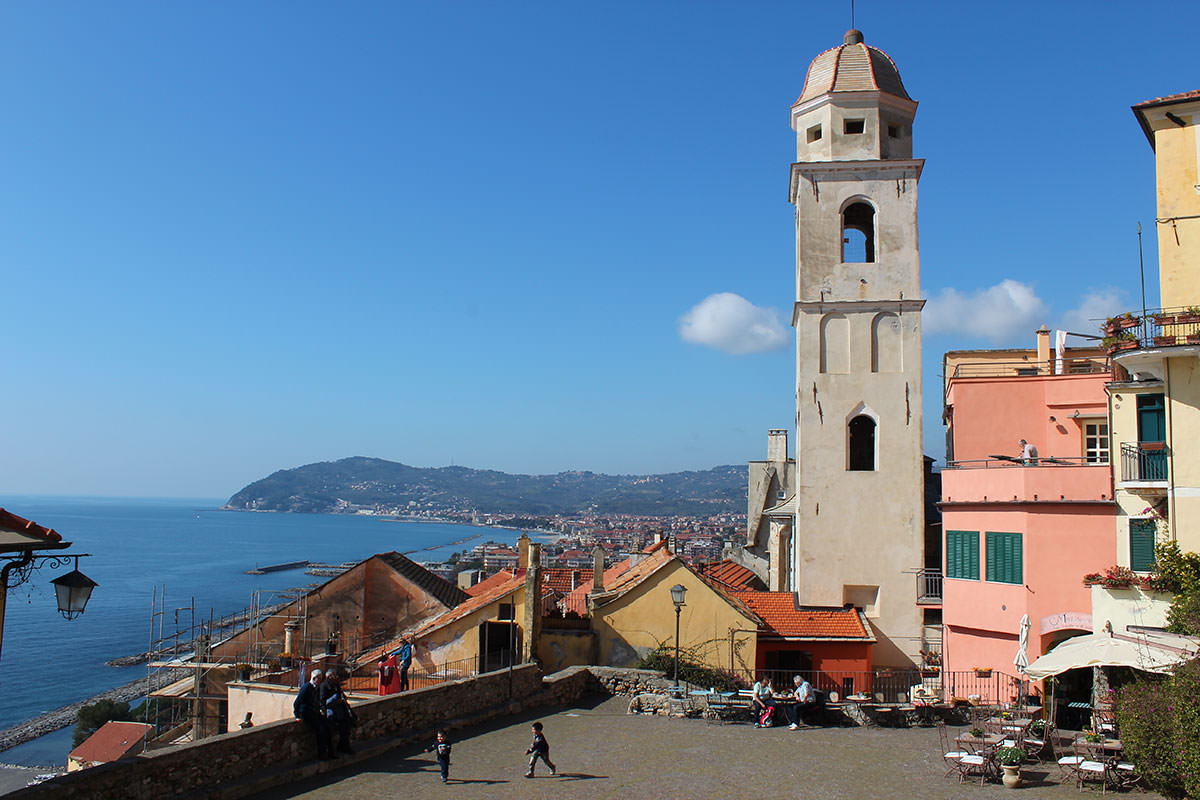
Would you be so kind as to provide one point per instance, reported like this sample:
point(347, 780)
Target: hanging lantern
point(74, 590)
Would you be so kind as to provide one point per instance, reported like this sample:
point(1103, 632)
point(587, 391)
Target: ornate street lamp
point(677, 593)
point(73, 590)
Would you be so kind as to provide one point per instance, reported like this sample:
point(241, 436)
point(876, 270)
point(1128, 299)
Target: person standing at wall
point(309, 710)
point(405, 656)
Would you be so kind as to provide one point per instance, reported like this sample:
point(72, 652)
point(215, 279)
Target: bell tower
point(859, 503)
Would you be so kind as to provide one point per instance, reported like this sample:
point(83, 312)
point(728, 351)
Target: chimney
point(598, 569)
point(1043, 348)
point(523, 551)
point(777, 445)
point(658, 537)
point(533, 601)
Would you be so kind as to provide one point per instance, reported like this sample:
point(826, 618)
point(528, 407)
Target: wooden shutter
point(1141, 545)
point(1005, 558)
point(962, 554)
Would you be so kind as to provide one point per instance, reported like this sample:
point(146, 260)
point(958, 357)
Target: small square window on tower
point(814, 133)
point(894, 131)
point(855, 125)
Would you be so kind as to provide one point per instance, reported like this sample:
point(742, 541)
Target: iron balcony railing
point(982, 686)
point(1143, 461)
point(999, 461)
point(929, 586)
point(1071, 365)
point(1158, 327)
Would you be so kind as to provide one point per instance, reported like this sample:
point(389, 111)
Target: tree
point(91, 717)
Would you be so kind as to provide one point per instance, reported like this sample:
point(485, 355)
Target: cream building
point(1155, 400)
point(858, 504)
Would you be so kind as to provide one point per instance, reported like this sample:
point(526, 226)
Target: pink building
point(1019, 534)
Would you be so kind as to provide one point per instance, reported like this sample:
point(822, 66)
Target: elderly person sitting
point(806, 699)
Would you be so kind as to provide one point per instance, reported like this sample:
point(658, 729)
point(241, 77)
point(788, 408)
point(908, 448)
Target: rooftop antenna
point(851, 13)
point(1142, 272)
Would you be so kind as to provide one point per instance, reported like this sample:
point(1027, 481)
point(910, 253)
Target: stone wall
point(235, 764)
point(632, 682)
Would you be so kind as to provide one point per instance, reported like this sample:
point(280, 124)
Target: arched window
point(858, 234)
point(862, 444)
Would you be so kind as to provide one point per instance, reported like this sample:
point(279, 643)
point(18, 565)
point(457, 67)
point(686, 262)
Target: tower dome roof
point(852, 67)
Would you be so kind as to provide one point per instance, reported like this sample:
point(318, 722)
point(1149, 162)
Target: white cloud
point(1008, 312)
point(1094, 307)
point(733, 324)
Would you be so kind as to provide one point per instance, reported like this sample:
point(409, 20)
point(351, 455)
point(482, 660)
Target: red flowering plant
point(1115, 577)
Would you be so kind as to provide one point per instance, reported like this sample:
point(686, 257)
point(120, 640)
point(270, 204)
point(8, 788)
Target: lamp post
point(677, 593)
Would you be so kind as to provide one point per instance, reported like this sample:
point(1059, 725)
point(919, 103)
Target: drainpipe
point(1170, 451)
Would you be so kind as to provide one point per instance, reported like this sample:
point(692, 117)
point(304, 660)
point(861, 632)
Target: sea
point(189, 552)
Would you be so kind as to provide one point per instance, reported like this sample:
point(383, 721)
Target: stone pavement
point(602, 752)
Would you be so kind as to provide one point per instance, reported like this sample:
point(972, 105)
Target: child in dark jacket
point(539, 749)
point(442, 749)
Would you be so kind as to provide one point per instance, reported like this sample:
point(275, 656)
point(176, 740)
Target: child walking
point(539, 749)
point(442, 749)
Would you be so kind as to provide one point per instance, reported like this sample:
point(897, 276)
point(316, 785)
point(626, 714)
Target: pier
point(277, 567)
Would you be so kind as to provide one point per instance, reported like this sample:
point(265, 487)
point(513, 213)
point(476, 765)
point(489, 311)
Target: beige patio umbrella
point(1147, 652)
point(1021, 660)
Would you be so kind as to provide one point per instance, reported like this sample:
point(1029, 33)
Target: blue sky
point(239, 237)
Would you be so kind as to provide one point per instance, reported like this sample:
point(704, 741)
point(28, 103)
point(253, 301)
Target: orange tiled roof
point(781, 615)
point(733, 576)
point(475, 603)
point(112, 741)
point(492, 581)
point(563, 580)
point(40, 533)
point(577, 600)
point(1166, 100)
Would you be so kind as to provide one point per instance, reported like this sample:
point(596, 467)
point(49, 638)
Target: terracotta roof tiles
point(112, 741)
point(733, 576)
point(783, 616)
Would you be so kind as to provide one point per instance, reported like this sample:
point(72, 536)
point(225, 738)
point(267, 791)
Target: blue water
point(193, 550)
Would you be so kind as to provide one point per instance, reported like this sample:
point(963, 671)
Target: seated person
point(806, 700)
point(762, 700)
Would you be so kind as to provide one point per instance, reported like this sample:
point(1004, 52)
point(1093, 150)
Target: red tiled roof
point(112, 741)
point(1166, 100)
point(492, 581)
point(11, 522)
point(562, 579)
point(733, 576)
point(781, 615)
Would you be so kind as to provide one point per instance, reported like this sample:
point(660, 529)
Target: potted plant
point(1188, 316)
point(1125, 340)
point(1164, 341)
point(930, 672)
point(1192, 338)
point(977, 732)
point(1010, 759)
point(983, 672)
point(243, 671)
point(1093, 737)
point(1161, 319)
point(1122, 322)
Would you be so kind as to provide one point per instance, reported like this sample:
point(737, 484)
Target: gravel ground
point(602, 752)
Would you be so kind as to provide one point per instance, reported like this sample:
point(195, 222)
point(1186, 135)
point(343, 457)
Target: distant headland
point(376, 486)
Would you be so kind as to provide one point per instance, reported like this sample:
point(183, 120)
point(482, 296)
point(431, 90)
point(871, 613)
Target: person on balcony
point(1029, 454)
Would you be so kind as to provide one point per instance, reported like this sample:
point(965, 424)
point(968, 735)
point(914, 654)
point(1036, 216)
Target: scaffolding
point(189, 669)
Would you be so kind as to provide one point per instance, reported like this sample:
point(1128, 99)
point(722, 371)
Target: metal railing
point(1143, 461)
point(365, 679)
point(1160, 327)
point(929, 586)
point(1072, 365)
point(997, 462)
point(974, 687)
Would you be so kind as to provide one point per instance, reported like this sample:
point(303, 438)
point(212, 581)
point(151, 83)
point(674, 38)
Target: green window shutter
point(1141, 545)
point(1005, 558)
point(962, 554)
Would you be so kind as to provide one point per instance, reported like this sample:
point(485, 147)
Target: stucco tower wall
point(859, 532)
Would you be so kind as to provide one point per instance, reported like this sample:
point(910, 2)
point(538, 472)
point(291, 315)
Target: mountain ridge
point(362, 482)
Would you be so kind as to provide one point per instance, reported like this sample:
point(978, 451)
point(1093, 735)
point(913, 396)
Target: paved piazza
point(602, 752)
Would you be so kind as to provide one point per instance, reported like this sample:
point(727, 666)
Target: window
point(1141, 545)
point(962, 555)
point(1004, 558)
point(1152, 432)
point(853, 126)
point(505, 611)
point(814, 134)
point(893, 131)
point(858, 234)
point(862, 444)
point(1095, 442)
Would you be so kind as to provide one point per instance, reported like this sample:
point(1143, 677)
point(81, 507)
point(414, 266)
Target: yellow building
point(1154, 399)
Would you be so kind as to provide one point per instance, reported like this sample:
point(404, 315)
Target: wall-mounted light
point(1053, 418)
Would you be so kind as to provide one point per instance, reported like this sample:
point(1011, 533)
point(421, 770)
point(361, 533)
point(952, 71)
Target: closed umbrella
point(1021, 660)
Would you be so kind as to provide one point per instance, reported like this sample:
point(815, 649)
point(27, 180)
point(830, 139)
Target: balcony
point(1144, 465)
point(1140, 343)
point(1008, 480)
point(1072, 365)
point(929, 587)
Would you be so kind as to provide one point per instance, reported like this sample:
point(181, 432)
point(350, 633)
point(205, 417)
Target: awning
point(1149, 652)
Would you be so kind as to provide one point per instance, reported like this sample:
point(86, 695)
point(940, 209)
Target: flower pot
point(1117, 347)
point(1187, 319)
point(929, 672)
point(1012, 775)
point(1164, 341)
point(983, 673)
point(1193, 338)
point(1164, 319)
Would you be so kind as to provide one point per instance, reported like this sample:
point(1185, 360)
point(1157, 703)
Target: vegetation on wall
point(691, 667)
point(1159, 722)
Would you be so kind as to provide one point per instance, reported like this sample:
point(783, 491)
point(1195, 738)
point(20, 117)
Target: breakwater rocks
point(66, 716)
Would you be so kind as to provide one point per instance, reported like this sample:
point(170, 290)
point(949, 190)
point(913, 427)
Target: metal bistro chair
point(1066, 758)
point(1036, 742)
point(1088, 768)
point(951, 755)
